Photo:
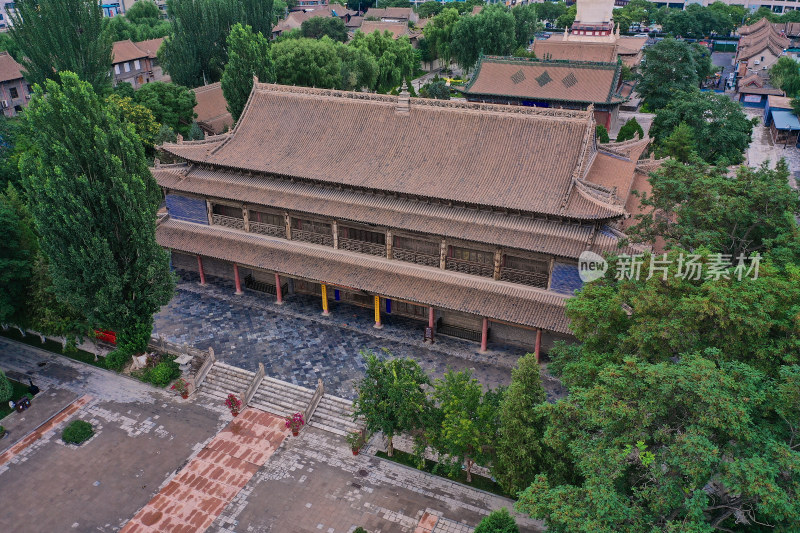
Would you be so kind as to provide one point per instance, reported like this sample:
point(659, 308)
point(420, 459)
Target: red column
point(278, 293)
point(236, 279)
point(484, 334)
point(538, 344)
point(200, 269)
point(430, 321)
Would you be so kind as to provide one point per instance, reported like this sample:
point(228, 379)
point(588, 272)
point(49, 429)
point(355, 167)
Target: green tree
point(140, 116)
point(697, 445)
point(429, 9)
point(165, 135)
point(359, 68)
point(59, 35)
point(439, 34)
point(436, 89)
point(720, 127)
point(317, 27)
point(526, 23)
point(17, 252)
point(785, 73)
point(12, 145)
point(491, 32)
point(568, 18)
point(680, 144)
point(395, 57)
point(196, 52)
point(672, 67)
point(762, 12)
point(171, 104)
point(521, 453)
point(466, 42)
point(469, 421)
point(258, 15)
point(307, 62)
point(360, 5)
point(143, 12)
point(391, 398)
point(248, 56)
point(196, 132)
point(498, 522)
point(550, 11)
point(94, 202)
point(8, 44)
point(629, 130)
point(601, 133)
point(698, 205)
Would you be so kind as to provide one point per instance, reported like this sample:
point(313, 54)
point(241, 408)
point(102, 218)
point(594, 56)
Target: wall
point(565, 278)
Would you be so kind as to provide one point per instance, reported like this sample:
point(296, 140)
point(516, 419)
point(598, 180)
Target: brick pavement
point(194, 498)
point(297, 345)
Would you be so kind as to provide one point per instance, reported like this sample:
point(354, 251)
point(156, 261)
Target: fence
point(253, 387)
point(315, 399)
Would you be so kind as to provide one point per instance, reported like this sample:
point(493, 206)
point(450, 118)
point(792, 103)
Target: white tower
point(594, 21)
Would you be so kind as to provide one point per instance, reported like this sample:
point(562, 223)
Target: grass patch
point(478, 482)
point(19, 391)
point(77, 431)
point(52, 346)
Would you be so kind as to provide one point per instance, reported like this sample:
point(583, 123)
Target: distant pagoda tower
point(594, 22)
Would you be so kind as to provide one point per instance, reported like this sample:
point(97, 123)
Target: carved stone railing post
point(253, 387)
point(315, 399)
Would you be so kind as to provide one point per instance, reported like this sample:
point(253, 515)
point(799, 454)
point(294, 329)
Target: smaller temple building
point(542, 83)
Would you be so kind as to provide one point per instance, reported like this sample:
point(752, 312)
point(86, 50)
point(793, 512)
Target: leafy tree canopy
point(696, 205)
point(526, 23)
point(396, 58)
point(62, 35)
point(359, 68)
point(490, 32)
point(785, 73)
point(671, 67)
point(143, 12)
point(248, 56)
point(429, 9)
point(17, 250)
point(170, 103)
point(721, 130)
point(94, 202)
point(498, 522)
point(317, 27)
point(140, 116)
point(307, 62)
point(629, 130)
point(437, 89)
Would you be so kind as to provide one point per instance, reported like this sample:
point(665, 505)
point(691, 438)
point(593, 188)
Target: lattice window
point(543, 79)
point(362, 235)
point(266, 218)
point(416, 245)
point(228, 211)
point(569, 80)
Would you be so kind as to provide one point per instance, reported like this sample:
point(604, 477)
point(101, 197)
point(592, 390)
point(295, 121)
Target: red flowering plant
point(295, 422)
point(234, 404)
point(181, 387)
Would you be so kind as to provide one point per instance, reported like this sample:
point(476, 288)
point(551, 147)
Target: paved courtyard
point(762, 149)
point(298, 345)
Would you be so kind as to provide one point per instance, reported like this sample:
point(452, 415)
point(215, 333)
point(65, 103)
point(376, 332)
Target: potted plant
point(181, 387)
point(3, 432)
point(295, 422)
point(234, 404)
point(355, 440)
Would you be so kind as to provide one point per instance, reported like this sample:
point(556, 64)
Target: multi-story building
point(134, 62)
point(14, 90)
point(468, 217)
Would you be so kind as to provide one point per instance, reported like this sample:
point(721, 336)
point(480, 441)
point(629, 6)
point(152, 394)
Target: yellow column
point(324, 300)
point(378, 324)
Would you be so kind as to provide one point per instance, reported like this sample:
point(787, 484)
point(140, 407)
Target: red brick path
point(35, 435)
point(198, 494)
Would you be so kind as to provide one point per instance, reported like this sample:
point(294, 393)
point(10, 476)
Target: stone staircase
point(335, 415)
point(223, 379)
point(280, 397)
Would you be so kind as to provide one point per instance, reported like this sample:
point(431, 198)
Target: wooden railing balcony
point(534, 279)
point(312, 237)
point(362, 247)
point(228, 222)
point(410, 256)
point(469, 267)
point(268, 229)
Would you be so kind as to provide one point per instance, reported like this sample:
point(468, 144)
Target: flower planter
point(234, 413)
point(295, 433)
point(355, 451)
point(185, 395)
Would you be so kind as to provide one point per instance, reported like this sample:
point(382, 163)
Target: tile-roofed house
point(397, 29)
point(294, 20)
point(392, 14)
point(493, 238)
point(629, 49)
point(133, 62)
point(760, 46)
point(754, 89)
point(557, 50)
point(566, 84)
point(212, 112)
point(150, 46)
point(14, 91)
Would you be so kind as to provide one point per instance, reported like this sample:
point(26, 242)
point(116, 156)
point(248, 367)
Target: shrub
point(602, 133)
point(498, 522)
point(6, 389)
point(118, 358)
point(77, 431)
point(629, 129)
point(360, 530)
point(164, 372)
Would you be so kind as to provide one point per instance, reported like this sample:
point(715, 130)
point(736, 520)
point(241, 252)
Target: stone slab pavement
point(142, 437)
point(314, 483)
point(195, 497)
point(297, 345)
point(44, 405)
point(762, 149)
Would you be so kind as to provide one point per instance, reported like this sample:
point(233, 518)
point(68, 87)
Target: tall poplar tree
point(59, 35)
point(94, 202)
point(248, 55)
point(258, 15)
